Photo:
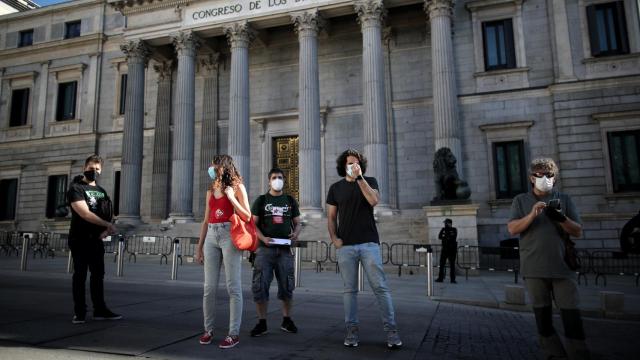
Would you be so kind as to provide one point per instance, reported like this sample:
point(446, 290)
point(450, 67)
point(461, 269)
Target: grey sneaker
point(393, 340)
point(351, 339)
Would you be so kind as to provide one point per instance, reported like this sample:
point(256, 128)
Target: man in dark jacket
point(448, 235)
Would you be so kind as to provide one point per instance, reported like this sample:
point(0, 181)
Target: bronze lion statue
point(449, 186)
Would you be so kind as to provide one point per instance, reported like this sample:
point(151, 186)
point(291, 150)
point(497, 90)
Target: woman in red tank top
point(225, 196)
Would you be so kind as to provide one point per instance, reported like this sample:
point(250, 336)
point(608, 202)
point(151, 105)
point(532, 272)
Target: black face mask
point(91, 175)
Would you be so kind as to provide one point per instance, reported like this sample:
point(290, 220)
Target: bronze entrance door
point(285, 157)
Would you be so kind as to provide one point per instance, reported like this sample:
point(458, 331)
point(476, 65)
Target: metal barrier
point(174, 259)
point(121, 250)
point(56, 242)
point(608, 262)
point(489, 258)
point(405, 255)
point(9, 242)
point(297, 261)
point(316, 252)
point(187, 246)
point(25, 251)
point(110, 244)
point(149, 245)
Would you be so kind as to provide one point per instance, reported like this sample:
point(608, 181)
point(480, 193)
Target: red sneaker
point(206, 338)
point(229, 342)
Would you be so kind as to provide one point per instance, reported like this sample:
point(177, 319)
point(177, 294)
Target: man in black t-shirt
point(277, 218)
point(353, 232)
point(90, 223)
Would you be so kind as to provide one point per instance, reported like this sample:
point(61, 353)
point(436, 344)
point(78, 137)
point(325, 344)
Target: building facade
point(158, 87)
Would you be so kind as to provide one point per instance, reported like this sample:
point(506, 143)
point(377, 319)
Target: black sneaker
point(438, 280)
point(106, 314)
point(260, 329)
point(78, 319)
point(454, 282)
point(288, 326)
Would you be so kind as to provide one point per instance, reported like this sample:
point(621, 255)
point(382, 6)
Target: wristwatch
point(359, 177)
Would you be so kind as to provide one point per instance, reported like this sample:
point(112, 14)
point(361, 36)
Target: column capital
point(239, 34)
point(370, 12)
point(436, 8)
point(208, 64)
point(164, 70)
point(308, 21)
point(185, 43)
point(135, 51)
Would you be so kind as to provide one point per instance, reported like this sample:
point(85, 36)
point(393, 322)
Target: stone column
point(563, 56)
point(307, 24)
point(370, 16)
point(162, 143)
point(445, 93)
point(240, 36)
point(209, 133)
point(133, 136)
point(186, 44)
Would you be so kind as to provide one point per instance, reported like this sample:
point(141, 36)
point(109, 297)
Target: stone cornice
point(49, 45)
point(127, 7)
point(508, 125)
point(483, 4)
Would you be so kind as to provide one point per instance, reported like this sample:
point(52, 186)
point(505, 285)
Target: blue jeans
point(219, 250)
point(369, 255)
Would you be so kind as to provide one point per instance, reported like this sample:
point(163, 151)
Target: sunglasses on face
point(540, 174)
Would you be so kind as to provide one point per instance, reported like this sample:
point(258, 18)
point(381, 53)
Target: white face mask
point(350, 170)
point(544, 184)
point(277, 184)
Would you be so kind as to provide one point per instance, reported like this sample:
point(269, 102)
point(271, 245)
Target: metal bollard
point(429, 271)
point(70, 263)
point(174, 259)
point(120, 256)
point(25, 250)
point(360, 277)
point(297, 265)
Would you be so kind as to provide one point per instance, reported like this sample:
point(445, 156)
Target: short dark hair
point(93, 159)
point(341, 162)
point(275, 170)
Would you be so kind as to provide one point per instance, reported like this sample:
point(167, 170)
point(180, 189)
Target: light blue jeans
point(369, 255)
point(218, 249)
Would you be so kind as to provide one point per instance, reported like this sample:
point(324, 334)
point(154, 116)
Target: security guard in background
point(448, 235)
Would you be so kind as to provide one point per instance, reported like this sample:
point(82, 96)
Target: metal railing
point(471, 258)
point(404, 255)
point(149, 245)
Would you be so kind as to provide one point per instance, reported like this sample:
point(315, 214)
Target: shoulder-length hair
point(341, 162)
point(230, 175)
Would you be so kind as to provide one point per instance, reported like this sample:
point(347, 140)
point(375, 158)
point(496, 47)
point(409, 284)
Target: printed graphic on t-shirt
point(93, 196)
point(277, 213)
point(219, 213)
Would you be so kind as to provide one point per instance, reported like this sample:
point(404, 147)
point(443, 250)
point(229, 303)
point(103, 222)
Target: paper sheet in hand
point(276, 241)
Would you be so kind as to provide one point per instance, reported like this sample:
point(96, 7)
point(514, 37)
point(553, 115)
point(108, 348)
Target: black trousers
point(88, 256)
point(448, 254)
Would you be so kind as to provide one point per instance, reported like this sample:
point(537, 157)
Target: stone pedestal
point(464, 217)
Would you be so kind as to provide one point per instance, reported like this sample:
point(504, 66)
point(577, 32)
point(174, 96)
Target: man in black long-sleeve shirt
point(448, 235)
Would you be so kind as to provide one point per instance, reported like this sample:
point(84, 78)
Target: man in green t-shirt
point(277, 219)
